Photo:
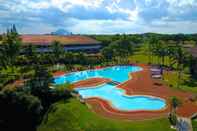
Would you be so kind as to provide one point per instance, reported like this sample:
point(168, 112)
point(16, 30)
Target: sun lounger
point(156, 76)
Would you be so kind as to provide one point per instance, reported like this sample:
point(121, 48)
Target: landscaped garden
point(73, 115)
point(194, 123)
point(30, 100)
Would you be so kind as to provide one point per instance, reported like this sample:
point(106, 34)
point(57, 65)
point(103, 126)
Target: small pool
point(119, 100)
point(116, 73)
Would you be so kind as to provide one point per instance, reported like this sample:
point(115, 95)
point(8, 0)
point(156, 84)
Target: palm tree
point(126, 47)
point(107, 53)
point(181, 58)
point(175, 103)
point(173, 119)
point(57, 50)
point(30, 52)
point(80, 58)
point(153, 46)
point(162, 51)
point(148, 52)
point(119, 50)
point(68, 58)
point(171, 55)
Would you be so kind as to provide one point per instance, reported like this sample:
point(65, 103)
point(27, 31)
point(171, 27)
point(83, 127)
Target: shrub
point(19, 111)
point(175, 102)
point(173, 119)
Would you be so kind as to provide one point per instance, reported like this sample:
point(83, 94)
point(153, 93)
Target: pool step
point(114, 82)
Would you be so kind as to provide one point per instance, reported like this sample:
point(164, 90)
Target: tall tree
point(10, 48)
point(30, 52)
point(107, 52)
point(119, 49)
point(175, 103)
point(162, 51)
point(181, 58)
point(39, 85)
point(152, 42)
point(192, 66)
point(171, 55)
point(57, 50)
point(19, 111)
point(148, 50)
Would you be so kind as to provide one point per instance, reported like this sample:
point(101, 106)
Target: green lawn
point(171, 79)
point(194, 124)
point(141, 56)
point(74, 116)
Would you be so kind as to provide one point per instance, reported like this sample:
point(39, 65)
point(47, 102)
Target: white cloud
point(86, 3)
point(171, 27)
point(63, 5)
point(100, 16)
point(105, 26)
point(37, 28)
point(181, 3)
point(116, 8)
point(177, 7)
point(36, 5)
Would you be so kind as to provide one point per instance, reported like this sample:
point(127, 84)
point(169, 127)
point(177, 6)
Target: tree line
point(23, 108)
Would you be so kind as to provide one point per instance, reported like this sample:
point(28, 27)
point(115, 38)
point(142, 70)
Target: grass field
point(171, 78)
point(194, 124)
point(74, 116)
point(71, 115)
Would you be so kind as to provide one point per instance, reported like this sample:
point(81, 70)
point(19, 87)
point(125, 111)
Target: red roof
point(65, 40)
point(58, 73)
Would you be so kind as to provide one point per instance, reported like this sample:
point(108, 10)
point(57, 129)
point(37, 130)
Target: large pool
point(115, 73)
point(119, 100)
point(109, 92)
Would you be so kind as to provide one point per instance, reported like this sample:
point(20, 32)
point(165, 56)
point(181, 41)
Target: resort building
point(70, 43)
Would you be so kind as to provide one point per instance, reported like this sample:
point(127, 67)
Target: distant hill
point(61, 32)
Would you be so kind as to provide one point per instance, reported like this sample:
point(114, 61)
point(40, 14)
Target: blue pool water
point(116, 73)
point(110, 92)
point(119, 100)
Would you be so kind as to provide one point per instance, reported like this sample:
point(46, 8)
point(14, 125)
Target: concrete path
point(184, 124)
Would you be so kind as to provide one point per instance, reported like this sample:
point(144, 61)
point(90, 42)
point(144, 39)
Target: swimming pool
point(115, 73)
point(117, 98)
point(109, 92)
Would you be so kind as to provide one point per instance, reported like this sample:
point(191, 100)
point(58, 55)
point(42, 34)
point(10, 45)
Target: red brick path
point(140, 84)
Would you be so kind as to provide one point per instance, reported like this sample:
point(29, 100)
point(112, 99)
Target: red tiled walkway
point(140, 84)
point(91, 82)
point(58, 73)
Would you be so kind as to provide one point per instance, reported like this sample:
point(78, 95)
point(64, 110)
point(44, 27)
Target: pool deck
point(91, 82)
point(140, 84)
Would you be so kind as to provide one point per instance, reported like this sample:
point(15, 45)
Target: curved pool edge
point(129, 74)
point(104, 108)
point(110, 80)
point(130, 111)
point(126, 95)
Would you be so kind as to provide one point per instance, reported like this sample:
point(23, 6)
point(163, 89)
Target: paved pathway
point(140, 84)
point(185, 124)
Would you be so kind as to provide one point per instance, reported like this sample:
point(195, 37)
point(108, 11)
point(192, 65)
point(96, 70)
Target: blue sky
point(99, 16)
